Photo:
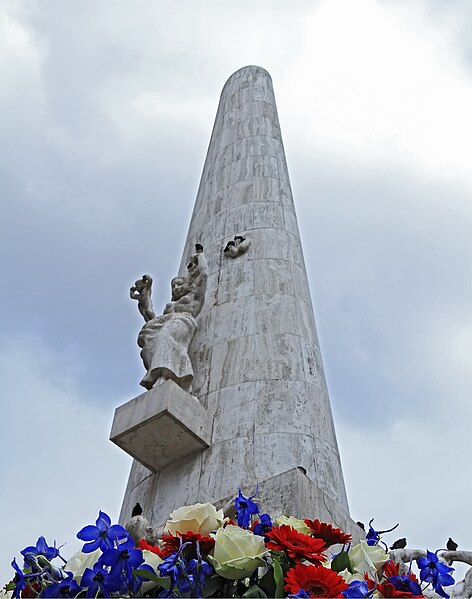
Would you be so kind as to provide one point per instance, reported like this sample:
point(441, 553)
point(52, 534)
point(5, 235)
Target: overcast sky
point(106, 113)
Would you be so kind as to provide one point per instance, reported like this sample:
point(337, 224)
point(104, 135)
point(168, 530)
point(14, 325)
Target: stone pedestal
point(294, 494)
point(161, 426)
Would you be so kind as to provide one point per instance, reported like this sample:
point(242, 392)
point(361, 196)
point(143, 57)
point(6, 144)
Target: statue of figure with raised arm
point(165, 339)
point(141, 291)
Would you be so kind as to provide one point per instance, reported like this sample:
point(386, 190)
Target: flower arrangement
point(203, 554)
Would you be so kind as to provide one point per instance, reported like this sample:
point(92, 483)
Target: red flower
point(143, 544)
point(171, 543)
point(329, 534)
point(295, 544)
point(315, 581)
point(390, 568)
point(32, 589)
point(388, 590)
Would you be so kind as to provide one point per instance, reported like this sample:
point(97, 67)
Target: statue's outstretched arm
point(201, 282)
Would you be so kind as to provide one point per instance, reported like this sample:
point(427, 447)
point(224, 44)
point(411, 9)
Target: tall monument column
point(258, 374)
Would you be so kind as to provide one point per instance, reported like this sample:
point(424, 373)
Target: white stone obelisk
point(256, 357)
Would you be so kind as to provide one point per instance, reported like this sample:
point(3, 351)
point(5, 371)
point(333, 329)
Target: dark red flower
point(171, 544)
point(31, 589)
point(327, 532)
point(398, 585)
point(315, 581)
point(295, 544)
point(143, 544)
point(388, 590)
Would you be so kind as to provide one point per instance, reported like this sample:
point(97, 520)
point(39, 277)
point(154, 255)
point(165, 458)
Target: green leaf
point(267, 582)
point(279, 579)
point(162, 582)
point(255, 591)
point(43, 561)
point(214, 584)
point(341, 562)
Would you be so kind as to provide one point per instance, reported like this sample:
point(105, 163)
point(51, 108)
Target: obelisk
point(258, 372)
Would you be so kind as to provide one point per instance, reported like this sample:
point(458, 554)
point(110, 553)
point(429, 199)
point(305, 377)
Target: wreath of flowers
point(203, 554)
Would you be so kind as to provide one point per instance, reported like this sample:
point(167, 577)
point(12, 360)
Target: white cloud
point(414, 471)
point(372, 83)
point(58, 467)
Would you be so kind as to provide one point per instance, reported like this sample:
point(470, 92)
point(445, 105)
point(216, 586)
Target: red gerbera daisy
point(388, 589)
point(295, 544)
point(171, 544)
point(315, 581)
point(329, 534)
point(390, 568)
point(143, 544)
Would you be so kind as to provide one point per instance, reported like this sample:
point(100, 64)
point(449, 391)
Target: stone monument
point(250, 407)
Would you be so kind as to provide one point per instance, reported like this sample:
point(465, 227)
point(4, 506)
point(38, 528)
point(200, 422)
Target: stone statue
point(235, 248)
point(165, 339)
point(141, 291)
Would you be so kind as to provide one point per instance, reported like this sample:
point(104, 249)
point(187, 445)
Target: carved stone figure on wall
point(235, 248)
point(165, 339)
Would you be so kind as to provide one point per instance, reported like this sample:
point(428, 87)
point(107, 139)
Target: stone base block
point(294, 494)
point(161, 426)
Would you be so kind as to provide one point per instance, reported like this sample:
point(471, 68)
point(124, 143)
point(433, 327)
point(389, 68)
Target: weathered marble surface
point(256, 357)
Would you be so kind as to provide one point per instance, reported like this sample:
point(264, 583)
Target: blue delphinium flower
point(200, 571)
point(406, 584)
point(301, 593)
point(263, 526)
point(42, 548)
point(436, 572)
point(175, 567)
point(98, 580)
point(245, 508)
point(373, 536)
point(101, 535)
point(66, 588)
point(357, 588)
point(19, 580)
point(122, 560)
point(171, 567)
point(134, 585)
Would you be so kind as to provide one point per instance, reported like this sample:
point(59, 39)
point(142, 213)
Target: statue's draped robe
point(165, 341)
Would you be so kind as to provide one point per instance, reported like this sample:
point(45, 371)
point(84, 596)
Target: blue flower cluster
point(113, 572)
point(186, 576)
point(246, 508)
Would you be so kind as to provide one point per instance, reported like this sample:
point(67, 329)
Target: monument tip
point(246, 71)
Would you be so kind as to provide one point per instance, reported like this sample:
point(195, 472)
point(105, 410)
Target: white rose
point(199, 518)
point(237, 552)
point(80, 561)
point(348, 577)
point(295, 523)
point(367, 558)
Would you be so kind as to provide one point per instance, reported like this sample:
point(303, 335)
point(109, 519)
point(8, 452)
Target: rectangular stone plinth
point(161, 426)
point(292, 493)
